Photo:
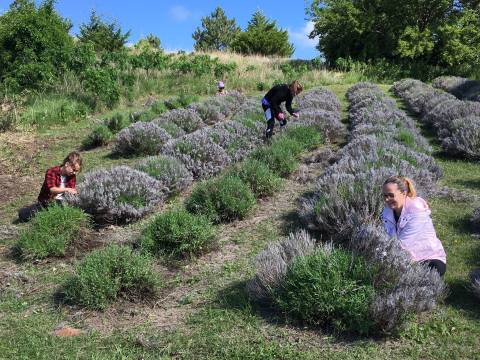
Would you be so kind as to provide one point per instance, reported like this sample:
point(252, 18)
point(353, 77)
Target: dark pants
point(271, 121)
point(438, 265)
point(28, 212)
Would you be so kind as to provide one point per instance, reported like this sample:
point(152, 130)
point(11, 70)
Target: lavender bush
point(168, 170)
point(319, 98)
point(119, 195)
point(219, 108)
point(140, 139)
point(342, 200)
point(463, 137)
point(328, 123)
point(186, 119)
point(455, 122)
point(417, 288)
point(476, 218)
point(272, 263)
point(199, 153)
point(235, 138)
point(462, 88)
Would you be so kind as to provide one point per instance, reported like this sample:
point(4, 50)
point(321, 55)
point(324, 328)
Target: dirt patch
point(19, 152)
point(14, 186)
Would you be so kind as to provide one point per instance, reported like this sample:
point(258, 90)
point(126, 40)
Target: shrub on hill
point(51, 232)
point(141, 139)
point(107, 274)
point(178, 233)
point(119, 194)
point(262, 181)
point(168, 170)
point(330, 287)
point(223, 199)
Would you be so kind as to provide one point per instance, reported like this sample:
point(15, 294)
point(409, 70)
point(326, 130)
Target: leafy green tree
point(35, 46)
point(103, 35)
point(263, 37)
point(216, 32)
point(365, 30)
point(461, 40)
point(151, 42)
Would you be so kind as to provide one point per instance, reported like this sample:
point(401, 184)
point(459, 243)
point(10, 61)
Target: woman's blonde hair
point(405, 185)
point(295, 88)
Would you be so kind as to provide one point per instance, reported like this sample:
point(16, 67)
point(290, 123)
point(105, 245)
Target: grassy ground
point(204, 312)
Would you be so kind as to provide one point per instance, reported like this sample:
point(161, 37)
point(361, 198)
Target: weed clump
point(262, 181)
point(223, 199)
point(178, 233)
point(281, 157)
point(51, 232)
point(107, 274)
point(329, 288)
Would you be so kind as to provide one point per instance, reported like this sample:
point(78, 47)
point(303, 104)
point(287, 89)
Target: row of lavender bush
point(456, 122)
point(346, 206)
point(189, 230)
point(148, 138)
point(122, 194)
point(462, 88)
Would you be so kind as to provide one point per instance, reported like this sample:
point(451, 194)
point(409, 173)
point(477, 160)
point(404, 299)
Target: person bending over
point(271, 104)
point(58, 181)
point(407, 217)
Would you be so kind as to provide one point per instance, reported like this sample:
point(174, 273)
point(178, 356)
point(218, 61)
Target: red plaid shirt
point(52, 179)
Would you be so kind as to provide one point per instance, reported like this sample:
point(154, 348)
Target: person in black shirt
point(271, 104)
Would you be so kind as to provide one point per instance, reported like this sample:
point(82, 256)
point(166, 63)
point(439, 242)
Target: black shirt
point(278, 94)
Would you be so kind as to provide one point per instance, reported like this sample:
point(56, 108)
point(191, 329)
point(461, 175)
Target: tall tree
point(216, 32)
point(35, 46)
point(103, 35)
point(263, 37)
point(366, 29)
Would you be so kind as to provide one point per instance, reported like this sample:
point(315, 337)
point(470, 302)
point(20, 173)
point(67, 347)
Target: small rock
point(66, 331)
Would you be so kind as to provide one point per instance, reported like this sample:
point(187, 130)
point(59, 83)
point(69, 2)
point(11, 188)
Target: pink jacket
point(415, 230)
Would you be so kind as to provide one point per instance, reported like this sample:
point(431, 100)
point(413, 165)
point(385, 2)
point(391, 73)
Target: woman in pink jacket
point(407, 217)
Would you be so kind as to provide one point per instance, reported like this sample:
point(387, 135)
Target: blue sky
point(175, 21)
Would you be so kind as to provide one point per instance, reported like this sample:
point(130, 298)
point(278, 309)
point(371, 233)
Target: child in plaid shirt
point(58, 181)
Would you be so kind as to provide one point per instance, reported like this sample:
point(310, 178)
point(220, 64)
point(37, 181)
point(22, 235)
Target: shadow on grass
point(470, 183)
point(462, 298)
point(462, 225)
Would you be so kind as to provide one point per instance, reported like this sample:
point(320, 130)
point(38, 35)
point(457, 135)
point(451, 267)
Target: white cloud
point(301, 39)
point(174, 50)
point(180, 13)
